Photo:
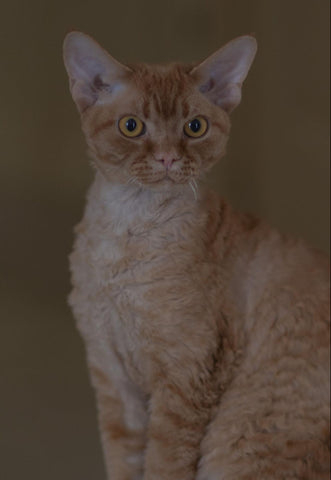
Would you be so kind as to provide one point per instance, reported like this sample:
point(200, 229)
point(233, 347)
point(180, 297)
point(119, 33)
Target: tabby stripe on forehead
point(157, 103)
point(170, 108)
point(102, 126)
point(169, 101)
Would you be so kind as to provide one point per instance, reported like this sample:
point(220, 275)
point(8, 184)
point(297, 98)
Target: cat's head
point(155, 125)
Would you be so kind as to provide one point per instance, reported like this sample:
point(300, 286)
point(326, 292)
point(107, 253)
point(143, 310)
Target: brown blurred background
point(277, 167)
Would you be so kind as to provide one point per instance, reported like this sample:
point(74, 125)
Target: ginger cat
point(207, 332)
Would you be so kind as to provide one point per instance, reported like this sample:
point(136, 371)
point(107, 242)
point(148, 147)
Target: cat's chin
point(165, 185)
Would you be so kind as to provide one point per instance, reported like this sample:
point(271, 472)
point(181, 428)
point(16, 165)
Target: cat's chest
point(131, 266)
point(138, 274)
point(131, 283)
point(129, 242)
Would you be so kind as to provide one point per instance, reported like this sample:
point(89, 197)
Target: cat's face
point(155, 126)
point(158, 129)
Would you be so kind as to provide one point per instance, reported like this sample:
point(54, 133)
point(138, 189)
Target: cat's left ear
point(220, 76)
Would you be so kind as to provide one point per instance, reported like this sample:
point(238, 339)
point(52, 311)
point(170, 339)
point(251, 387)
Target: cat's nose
point(166, 159)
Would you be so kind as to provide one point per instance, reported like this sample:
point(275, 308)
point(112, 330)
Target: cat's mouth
point(170, 183)
point(170, 178)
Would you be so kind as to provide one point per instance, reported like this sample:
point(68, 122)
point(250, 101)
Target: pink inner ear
point(230, 97)
point(99, 84)
point(85, 69)
point(90, 68)
point(226, 96)
point(223, 73)
point(82, 94)
point(206, 87)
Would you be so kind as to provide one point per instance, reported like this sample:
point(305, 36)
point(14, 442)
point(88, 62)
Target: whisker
point(132, 180)
point(195, 183)
point(194, 189)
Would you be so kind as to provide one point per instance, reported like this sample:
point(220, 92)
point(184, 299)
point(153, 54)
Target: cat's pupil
point(131, 124)
point(195, 125)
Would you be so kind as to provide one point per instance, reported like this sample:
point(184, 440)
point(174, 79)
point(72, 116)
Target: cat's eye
point(131, 126)
point(196, 127)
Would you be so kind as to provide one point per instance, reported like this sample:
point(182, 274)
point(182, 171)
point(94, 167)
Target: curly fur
point(207, 331)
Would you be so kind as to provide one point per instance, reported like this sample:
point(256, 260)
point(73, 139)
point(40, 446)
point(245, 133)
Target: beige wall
point(277, 167)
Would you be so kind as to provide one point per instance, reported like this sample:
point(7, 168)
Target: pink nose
point(166, 159)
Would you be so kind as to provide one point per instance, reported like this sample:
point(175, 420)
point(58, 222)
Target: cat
point(206, 331)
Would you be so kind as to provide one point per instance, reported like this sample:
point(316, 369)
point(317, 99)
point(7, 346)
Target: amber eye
point(131, 126)
point(196, 127)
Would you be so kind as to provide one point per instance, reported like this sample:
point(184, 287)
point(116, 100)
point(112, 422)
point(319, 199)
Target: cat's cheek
point(213, 151)
point(204, 159)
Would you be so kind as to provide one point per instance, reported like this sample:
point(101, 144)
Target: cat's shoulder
point(261, 252)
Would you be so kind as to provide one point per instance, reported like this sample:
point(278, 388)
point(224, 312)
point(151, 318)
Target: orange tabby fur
point(206, 331)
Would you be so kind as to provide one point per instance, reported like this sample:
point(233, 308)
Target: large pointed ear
point(221, 75)
point(91, 69)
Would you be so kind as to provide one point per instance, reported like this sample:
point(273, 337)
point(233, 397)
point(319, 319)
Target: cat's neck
point(125, 205)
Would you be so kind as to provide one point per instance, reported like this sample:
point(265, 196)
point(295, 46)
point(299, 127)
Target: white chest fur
point(131, 269)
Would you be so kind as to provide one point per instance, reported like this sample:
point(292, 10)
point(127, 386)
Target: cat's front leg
point(122, 416)
point(178, 416)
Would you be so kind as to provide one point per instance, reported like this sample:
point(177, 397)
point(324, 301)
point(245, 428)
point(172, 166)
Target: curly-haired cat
point(206, 330)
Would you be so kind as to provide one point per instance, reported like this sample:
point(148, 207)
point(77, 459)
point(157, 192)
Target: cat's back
point(289, 271)
point(281, 285)
point(278, 293)
point(263, 260)
point(277, 404)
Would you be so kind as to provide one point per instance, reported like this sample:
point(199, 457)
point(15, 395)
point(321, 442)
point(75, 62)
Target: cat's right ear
point(91, 69)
